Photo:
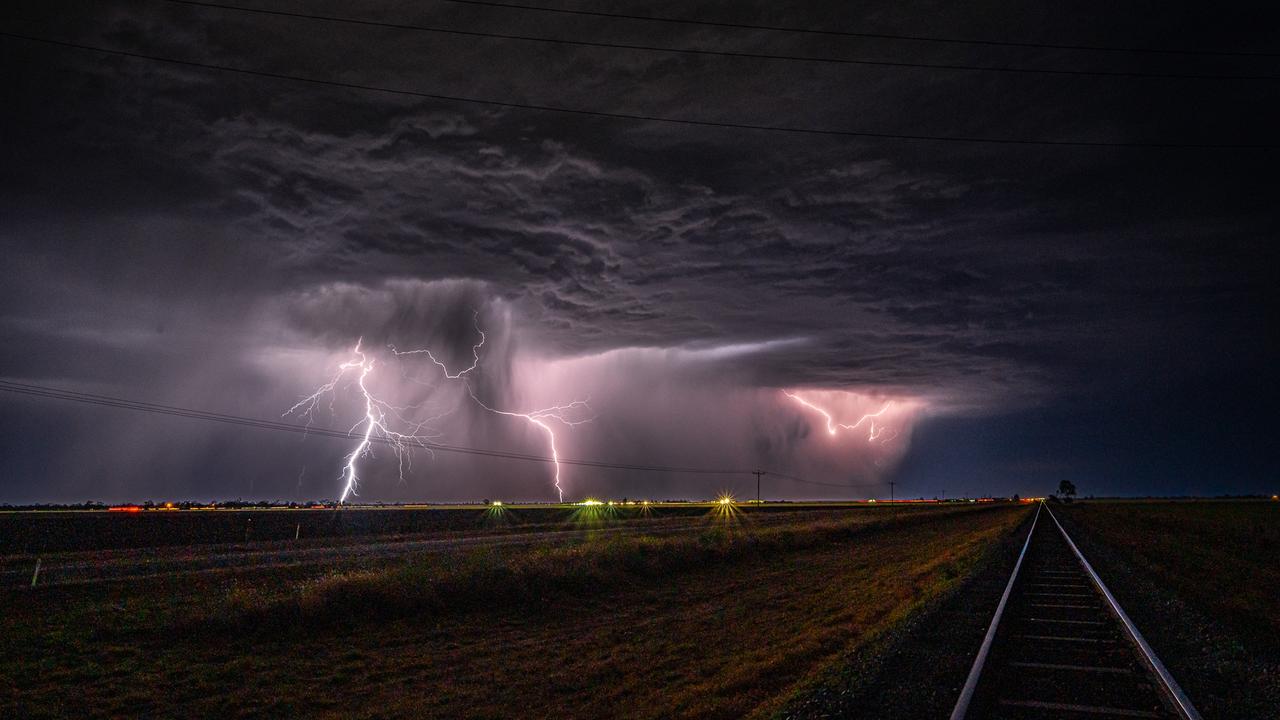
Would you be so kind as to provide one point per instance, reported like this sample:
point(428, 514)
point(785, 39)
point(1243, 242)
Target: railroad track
point(1060, 646)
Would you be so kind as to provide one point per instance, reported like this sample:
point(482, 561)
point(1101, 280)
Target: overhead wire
point(717, 53)
point(666, 119)
point(805, 481)
point(108, 401)
point(48, 392)
point(864, 34)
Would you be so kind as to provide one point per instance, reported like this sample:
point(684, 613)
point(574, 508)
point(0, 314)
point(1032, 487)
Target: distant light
point(497, 502)
point(590, 501)
point(871, 500)
point(610, 502)
point(646, 502)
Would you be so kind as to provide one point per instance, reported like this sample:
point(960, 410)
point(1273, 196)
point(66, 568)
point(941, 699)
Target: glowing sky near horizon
point(1032, 313)
point(687, 406)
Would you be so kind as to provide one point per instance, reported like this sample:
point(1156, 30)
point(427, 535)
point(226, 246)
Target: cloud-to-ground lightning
point(565, 414)
point(375, 422)
point(875, 432)
point(560, 413)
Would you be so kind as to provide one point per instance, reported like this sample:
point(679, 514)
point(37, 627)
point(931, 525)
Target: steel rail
point(975, 672)
point(1170, 686)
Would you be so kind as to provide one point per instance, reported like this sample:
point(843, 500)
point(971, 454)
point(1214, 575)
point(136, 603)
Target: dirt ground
point(1202, 582)
point(716, 642)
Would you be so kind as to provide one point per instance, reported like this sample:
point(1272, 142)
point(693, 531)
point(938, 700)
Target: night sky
point(1026, 313)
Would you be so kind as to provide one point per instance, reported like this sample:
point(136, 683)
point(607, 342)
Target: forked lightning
point(874, 432)
point(373, 424)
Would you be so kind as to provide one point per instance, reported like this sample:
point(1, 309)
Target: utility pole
point(757, 473)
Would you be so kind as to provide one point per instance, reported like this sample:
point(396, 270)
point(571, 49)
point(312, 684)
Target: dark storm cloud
point(163, 224)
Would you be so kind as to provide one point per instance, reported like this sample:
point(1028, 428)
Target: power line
point(47, 392)
point(672, 120)
point(719, 53)
point(868, 35)
point(793, 478)
point(155, 408)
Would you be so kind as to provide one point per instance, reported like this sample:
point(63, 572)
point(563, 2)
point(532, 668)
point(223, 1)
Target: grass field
point(44, 531)
point(1202, 581)
point(1221, 556)
point(721, 623)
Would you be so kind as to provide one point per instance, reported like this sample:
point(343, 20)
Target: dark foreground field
point(44, 532)
point(372, 539)
point(1199, 578)
point(1202, 582)
point(725, 622)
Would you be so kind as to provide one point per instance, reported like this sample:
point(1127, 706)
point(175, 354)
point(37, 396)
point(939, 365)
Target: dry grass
point(714, 626)
point(1201, 581)
point(490, 576)
point(1221, 556)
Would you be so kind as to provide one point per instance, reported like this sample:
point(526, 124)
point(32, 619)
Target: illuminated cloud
point(220, 242)
point(697, 405)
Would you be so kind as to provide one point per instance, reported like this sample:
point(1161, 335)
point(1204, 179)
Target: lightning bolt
point(831, 428)
point(475, 352)
point(565, 414)
point(375, 423)
point(875, 432)
point(560, 413)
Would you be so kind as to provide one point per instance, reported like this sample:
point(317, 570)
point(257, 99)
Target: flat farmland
point(96, 530)
point(97, 546)
point(723, 619)
point(1201, 579)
